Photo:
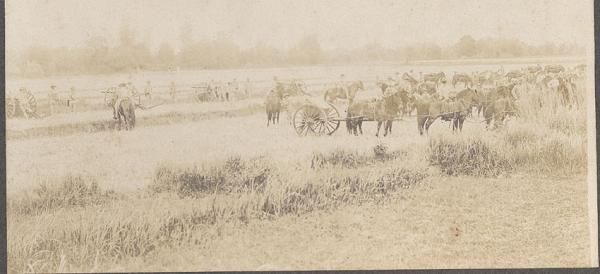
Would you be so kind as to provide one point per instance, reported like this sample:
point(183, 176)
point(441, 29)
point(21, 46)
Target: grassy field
point(224, 192)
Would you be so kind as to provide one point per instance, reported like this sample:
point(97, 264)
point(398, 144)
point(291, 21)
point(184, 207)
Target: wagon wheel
point(308, 119)
point(332, 120)
point(11, 107)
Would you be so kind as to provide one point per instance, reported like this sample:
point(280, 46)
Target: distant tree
point(466, 46)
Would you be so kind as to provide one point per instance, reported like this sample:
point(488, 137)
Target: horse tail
point(325, 95)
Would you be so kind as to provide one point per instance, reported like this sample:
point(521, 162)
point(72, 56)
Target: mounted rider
point(342, 85)
point(278, 86)
point(445, 90)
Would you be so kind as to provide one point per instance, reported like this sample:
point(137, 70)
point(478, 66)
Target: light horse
point(337, 93)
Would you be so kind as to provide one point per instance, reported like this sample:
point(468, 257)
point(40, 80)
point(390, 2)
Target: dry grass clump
point(467, 155)
point(67, 192)
point(231, 175)
point(546, 110)
point(352, 159)
point(338, 158)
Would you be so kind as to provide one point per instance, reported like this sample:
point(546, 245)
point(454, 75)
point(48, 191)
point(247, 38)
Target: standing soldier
point(235, 88)
point(71, 99)
point(247, 88)
point(133, 92)
point(172, 91)
point(148, 90)
point(52, 98)
point(227, 90)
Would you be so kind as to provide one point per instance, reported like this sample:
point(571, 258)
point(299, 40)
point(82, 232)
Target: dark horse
point(434, 77)
point(430, 107)
point(498, 105)
point(337, 93)
point(273, 107)
point(462, 78)
point(382, 110)
point(124, 112)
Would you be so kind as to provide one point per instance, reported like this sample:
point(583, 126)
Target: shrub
point(232, 175)
point(69, 191)
point(466, 156)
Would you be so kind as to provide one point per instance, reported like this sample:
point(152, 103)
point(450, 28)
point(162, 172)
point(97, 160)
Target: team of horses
point(490, 94)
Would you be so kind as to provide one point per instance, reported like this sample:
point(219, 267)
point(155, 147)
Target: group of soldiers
point(224, 91)
point(27, 103)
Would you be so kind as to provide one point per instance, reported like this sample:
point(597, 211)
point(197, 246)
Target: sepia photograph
point(274, 135)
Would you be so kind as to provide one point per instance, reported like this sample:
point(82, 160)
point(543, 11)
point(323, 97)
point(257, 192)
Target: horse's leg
point(268, 118)
point(388, 127)
point(360, 121)
point(378, 127)
point(420, 124)
point(429, 122)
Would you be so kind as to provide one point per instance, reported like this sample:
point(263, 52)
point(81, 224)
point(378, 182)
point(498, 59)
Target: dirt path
point(454, 222)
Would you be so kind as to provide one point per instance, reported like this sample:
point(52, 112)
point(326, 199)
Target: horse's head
point(360, 85)
point(469, 96)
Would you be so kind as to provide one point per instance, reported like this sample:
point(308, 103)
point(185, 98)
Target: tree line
point(97, 56)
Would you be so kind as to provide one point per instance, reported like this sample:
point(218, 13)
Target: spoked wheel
point(11, 107)
point(306, 120)
point(332, 121)
point(310, 119)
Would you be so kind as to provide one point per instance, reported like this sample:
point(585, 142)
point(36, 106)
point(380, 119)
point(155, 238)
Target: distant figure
point(445, 89)
point(235, 87)
point(172, 91)
point(52, 98)
point(148, 90)
point(71, 99)
point(133, 92)
point(227, 89)
point(247, 88)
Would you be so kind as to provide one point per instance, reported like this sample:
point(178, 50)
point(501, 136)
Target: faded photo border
point(593, 116)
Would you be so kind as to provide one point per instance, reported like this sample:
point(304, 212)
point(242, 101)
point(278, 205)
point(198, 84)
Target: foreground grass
point(183, 201)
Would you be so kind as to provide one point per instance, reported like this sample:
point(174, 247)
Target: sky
point(342, 24)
